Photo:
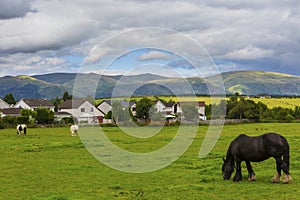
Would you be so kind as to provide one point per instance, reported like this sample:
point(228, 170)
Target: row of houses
point(85, 112)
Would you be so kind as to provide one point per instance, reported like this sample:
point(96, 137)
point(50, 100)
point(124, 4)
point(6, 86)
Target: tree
point(117, 112)
point(190, 112)
point(44, 116)
point(9, 98)
point(28, 113)
point(216, 111)
point(244, 109)
point(142, 108)
point(108, 115)
point(296, 113)
point(155, 116)
point(56, 102)
point(66, 96)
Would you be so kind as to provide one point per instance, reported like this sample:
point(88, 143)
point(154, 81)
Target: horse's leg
point(238, 175)
point(286, 174)
point(276, 178)
point(251, 174)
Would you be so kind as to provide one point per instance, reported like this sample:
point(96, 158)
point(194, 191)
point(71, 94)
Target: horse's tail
point(286, 153)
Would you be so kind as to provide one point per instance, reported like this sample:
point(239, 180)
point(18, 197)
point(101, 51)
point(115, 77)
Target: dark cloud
point(15, 8)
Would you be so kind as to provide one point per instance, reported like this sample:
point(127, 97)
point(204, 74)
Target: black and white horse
point(21, 129)
point(256, 149)
point(74, 130)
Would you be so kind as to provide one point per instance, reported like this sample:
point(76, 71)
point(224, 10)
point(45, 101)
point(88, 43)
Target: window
point(82, 109)
point(92, 109)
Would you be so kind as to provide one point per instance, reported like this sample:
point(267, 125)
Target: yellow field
point(270, 102)
point(283, 102)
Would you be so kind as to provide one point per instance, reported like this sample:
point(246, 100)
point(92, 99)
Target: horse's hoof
point(286, 178)
point(276, 178)
point(252, 178)
point(237, 180)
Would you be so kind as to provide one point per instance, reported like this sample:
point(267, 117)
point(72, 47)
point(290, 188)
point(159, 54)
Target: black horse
point(256, 149)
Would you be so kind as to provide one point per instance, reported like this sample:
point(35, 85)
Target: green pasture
point(50, 164)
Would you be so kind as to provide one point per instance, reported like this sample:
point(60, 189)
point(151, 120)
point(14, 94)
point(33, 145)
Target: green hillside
point(51, 85)
point(259, 82)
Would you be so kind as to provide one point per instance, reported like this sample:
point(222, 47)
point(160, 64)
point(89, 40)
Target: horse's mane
point(229, 156)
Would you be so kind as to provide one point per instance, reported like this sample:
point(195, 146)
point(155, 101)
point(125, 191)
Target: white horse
point(74, 130)
point(21, 129)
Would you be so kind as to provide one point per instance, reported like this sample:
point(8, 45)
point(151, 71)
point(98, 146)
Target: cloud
point(180, 63)
point(263, 32)
point(15, 8)
point(248, 53)
point(154, 55)
point(33, 64)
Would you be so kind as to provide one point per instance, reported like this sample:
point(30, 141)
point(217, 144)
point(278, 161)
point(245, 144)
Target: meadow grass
point(50, 164)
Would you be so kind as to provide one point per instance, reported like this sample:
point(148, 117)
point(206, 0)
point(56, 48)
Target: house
point(10, 112)
point(82, 110)
point(33, 104)
point(159, 106)
point(172, 108)
point(3, 104)
point(59, 116)
point(106, 106)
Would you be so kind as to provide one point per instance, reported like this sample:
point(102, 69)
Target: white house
point(82, 110)
point(171, 108)
point(33, 104)
point(106, 106)
point(3, 104)
point(159, 106)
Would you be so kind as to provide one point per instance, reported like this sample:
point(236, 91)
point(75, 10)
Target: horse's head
point(227, 169)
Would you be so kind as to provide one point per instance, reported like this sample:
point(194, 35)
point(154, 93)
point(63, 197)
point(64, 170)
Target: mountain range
point(50, 86)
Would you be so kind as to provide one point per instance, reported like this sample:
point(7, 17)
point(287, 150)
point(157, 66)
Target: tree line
point(238, 107)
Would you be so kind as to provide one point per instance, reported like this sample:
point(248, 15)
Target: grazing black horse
point(256, 149)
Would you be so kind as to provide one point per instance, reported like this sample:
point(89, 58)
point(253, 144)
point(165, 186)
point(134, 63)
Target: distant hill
point(260, 82)
point(51, 85)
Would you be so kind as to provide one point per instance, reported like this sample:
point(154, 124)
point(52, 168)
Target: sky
point(135, 36)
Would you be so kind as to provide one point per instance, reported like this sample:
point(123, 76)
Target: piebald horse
point(21, 129)
point(74, 130)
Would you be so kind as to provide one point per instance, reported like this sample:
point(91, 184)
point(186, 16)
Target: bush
point(2, 124)
point(22, 120)
point(68, 120)
point(10, 121)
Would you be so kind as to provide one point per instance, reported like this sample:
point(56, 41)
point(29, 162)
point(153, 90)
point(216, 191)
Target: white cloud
point(248, 53)
point(155, 55)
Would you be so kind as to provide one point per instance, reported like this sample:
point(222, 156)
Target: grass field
point(50, 164)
